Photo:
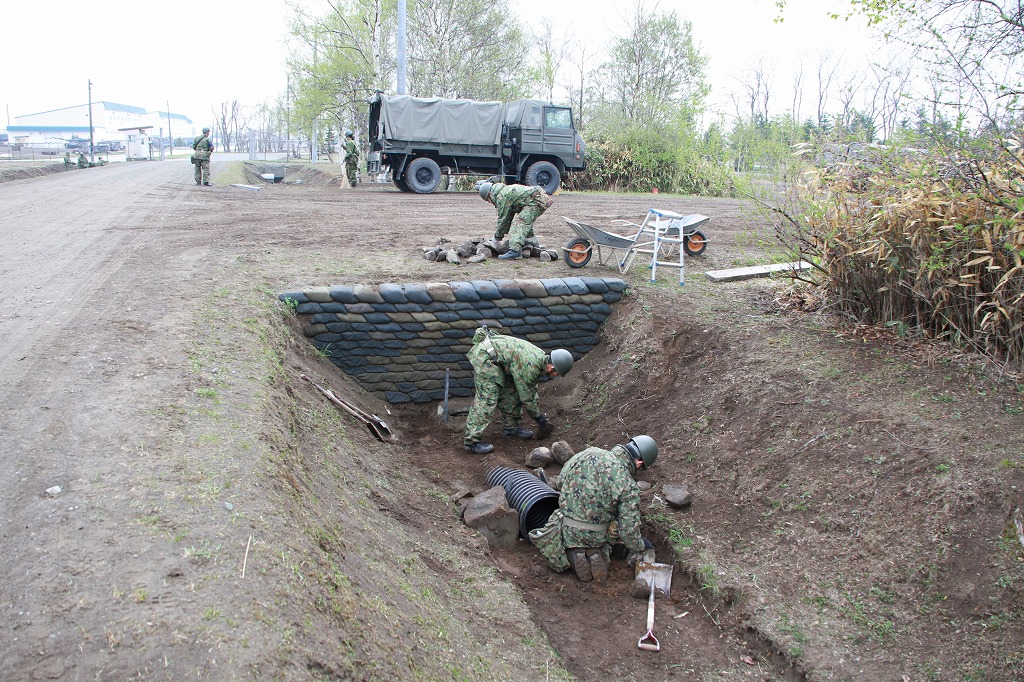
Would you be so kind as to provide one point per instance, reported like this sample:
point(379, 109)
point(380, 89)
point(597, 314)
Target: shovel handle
point(649, 642)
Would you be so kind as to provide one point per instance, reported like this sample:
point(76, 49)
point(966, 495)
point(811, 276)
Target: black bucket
point(532, 498)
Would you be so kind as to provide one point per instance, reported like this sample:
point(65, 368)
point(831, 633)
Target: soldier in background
point(351, 158)
point(521, 202)
point(506, 371)
point(201, 158)
point(598, 487)
point(68, 163)
point(82, 161)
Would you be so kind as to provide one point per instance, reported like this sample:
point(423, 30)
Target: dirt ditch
point(855, 492)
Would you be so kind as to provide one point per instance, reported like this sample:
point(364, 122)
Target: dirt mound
point(20, 170)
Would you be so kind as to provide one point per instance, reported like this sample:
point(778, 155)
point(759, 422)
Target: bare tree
point(798, 89)
point(828, 67)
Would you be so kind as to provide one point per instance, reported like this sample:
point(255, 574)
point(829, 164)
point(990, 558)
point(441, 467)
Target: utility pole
point(169, 133)
point(401, 47)
point(91, 159)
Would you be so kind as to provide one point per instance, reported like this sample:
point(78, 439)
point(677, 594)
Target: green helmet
point(485, 189)
point(562, 360)
point(642, 447)
point(206, 130)
point(349, 133)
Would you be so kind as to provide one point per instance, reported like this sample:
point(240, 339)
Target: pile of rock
point(480, 249)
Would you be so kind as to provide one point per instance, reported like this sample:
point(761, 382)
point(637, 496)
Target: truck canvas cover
point(420, 119)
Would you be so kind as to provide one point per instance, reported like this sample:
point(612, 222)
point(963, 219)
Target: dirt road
point(92, 347)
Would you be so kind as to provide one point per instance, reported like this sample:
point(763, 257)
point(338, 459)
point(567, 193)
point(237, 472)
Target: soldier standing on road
point(598, 487)
point(351, 158)
point(521, 202)
point(201, 157)
point(506, 371)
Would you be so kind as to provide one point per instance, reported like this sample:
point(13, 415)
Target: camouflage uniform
point(68, 163)
point(507, 379)
point(82, 161)
point(523, 203)
point(597, 487)
point(351, 161)
point(204, 149)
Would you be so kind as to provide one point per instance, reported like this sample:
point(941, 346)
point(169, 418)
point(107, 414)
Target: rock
point(479, 258)
point(430, 255)
point(229, 506)
point(545, 256)
point(527, 252)
point(676, 495)
point(643, 485)
point(554, 254)
point(453, 257)
point(54, 491)
point(483, 250)
point(466, 249)
point(561, 451)
point(540, 457)
point(640, 589)
point(460, 494)
point(490, 514)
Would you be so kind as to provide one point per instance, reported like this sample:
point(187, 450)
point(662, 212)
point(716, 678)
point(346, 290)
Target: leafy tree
point(655, 70)
point(468, 49)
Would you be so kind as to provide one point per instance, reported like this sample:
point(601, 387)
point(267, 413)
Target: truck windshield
point(557, 118)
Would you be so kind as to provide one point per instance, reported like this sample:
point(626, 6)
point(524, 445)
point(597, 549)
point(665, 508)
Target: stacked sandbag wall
point(398, 339)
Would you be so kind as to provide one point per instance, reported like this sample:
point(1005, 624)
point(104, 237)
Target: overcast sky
point(191, 55)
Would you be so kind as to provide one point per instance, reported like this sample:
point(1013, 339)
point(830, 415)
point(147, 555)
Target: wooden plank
point(737, 274)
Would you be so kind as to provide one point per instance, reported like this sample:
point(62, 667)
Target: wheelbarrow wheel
point(577, 253)
point(695, 243)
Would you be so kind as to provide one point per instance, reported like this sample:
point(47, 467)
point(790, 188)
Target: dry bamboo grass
point(924, 243)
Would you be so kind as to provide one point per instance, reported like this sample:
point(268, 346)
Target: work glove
point(647, 544)
point(544, 427)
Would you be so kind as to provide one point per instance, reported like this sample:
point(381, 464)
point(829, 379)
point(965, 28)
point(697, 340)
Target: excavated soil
point(854, 493)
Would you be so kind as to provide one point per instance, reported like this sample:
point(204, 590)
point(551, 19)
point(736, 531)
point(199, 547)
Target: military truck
point(420, 139)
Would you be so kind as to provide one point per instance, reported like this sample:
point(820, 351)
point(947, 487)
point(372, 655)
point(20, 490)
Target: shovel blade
point(658, 576)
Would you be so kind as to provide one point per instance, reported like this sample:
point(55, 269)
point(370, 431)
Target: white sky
point(195, 54)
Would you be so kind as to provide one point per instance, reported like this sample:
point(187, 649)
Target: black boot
point(479, 448)
point(518, 432)
point(511, 255)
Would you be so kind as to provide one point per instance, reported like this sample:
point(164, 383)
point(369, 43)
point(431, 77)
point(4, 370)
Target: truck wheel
point(577, 253)
point(400, 183)
point(422, 175)
point(695, 243)
point(544, 174)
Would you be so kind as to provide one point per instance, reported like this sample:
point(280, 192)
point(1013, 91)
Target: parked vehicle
point(420, 139)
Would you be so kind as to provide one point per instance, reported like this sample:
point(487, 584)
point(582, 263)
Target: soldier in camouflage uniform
point(201, 157)
point(597, 488)
point(523, 203)
point(506, 371)
point(351, 158)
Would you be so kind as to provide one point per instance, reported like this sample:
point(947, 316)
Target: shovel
point(659, 577)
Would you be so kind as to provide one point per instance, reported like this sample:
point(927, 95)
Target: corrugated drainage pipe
point(527, 494)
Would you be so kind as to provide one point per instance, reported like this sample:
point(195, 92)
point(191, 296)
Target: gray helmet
point(206, 130)
point(643, 447)
point(485, 189)
point(349, 133)
point(562, 360)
